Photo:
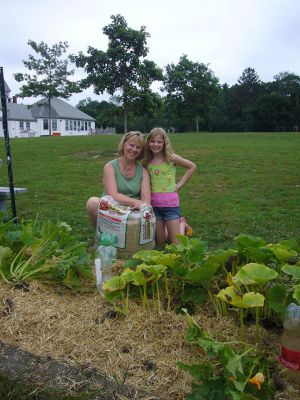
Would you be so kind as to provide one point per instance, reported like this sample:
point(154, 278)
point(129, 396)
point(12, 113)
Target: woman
point(124, 178)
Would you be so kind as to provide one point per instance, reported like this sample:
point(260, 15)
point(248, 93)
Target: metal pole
point(7, 146)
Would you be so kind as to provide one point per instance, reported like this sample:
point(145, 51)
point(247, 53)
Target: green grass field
point(244, 183)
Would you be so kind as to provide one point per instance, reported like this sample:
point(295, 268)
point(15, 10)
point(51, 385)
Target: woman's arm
point(145, 188)
point(188, 165)
point(111, 188)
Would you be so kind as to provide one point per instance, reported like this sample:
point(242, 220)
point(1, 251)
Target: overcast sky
point(228, 35)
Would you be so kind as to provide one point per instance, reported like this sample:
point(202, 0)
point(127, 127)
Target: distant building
point(33, 120)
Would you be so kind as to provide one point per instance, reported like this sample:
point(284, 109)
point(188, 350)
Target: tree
point(50, 77)
point(250, 83)
point(105, 113)
point(243, 96)
point(287, 85)
point(122, 71)
point(192, 87)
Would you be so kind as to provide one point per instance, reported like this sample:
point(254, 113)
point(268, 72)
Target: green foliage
point(191, 87)
point(226, 374)
point(105, 113)
point(42, 250)
point(122, 70)
point(51, 74)
point(181, 273)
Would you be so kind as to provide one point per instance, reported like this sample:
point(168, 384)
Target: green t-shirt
point(131, 187)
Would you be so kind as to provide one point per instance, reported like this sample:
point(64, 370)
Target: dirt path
point(20, 365)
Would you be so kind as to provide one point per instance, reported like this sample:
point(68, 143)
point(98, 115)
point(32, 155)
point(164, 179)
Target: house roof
point(59, 109)
point(18, 112)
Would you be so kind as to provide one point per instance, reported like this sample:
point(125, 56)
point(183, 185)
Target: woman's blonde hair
point(129, 135)
point(167, 150)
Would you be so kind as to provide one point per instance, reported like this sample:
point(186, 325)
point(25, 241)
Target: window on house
point(54, 124)
point(21, 125)
point(82, 125)
point(85, 126)
point(27, 124)
point(45, 123)
point(66, 125)
point(71, 125)
point(89, 125)
point(78, 125)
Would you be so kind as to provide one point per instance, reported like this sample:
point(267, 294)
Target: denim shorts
point(166, 213)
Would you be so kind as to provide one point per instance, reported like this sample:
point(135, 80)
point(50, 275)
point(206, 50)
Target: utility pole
point(7, 146)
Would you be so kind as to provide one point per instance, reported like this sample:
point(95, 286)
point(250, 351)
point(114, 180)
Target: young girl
point(161, 163)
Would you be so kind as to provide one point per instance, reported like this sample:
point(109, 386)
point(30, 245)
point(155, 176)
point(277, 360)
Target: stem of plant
point(167, 291)
point(127, 298)
point(257, 323)
point(158, 297)
point(145, 300)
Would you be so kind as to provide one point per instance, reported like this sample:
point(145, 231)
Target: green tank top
point(162, 177)
point(131, 187)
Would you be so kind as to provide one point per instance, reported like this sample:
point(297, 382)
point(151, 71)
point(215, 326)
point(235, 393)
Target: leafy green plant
point(182, 274)
point(268, 269)
point(42, 250)
point(227, 374)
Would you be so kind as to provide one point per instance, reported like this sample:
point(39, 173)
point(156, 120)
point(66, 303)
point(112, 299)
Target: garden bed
point(140, 349)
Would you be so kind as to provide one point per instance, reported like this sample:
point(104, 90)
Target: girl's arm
point(111, 188)
point(188, 165)
point(145, 188)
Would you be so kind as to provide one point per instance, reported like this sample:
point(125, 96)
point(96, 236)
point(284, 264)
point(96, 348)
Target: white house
point(33, 120)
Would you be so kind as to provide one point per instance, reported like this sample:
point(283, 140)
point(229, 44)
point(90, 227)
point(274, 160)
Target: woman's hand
point(137, 205)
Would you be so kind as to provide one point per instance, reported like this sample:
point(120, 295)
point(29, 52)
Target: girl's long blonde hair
point(167, 150)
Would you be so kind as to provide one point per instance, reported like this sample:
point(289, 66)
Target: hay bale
point(135, 230)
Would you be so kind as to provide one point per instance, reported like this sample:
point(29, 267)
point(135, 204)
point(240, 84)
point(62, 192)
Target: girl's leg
point(173, 228)
point(160, 233)
point(92, 208)
point(182, 225)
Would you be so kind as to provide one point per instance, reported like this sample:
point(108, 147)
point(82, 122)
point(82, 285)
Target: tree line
point(191, 97)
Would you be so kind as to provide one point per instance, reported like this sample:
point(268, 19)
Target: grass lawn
point(244, 183)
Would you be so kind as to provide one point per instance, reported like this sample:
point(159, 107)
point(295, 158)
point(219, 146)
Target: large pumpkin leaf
point(248, 300)
point(166, 259)
point(203, 273)
point(127, 275)
point(220, 256)
point(290, 245)
point(282, 253)
point(249, 241)
point(292, 270)
point(155, 270)
point(254, 273)
point(259, 254)
point(146, 255)
point(277, 298)
point(113, 284)
point(139, 278)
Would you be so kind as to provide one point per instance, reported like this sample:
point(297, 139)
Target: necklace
point(127, 170)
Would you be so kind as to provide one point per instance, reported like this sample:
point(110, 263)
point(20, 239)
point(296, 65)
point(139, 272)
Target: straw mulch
point(140, 349)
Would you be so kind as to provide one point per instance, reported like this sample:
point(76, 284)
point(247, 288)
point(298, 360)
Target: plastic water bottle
point(106, 254)
point(290, 343)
